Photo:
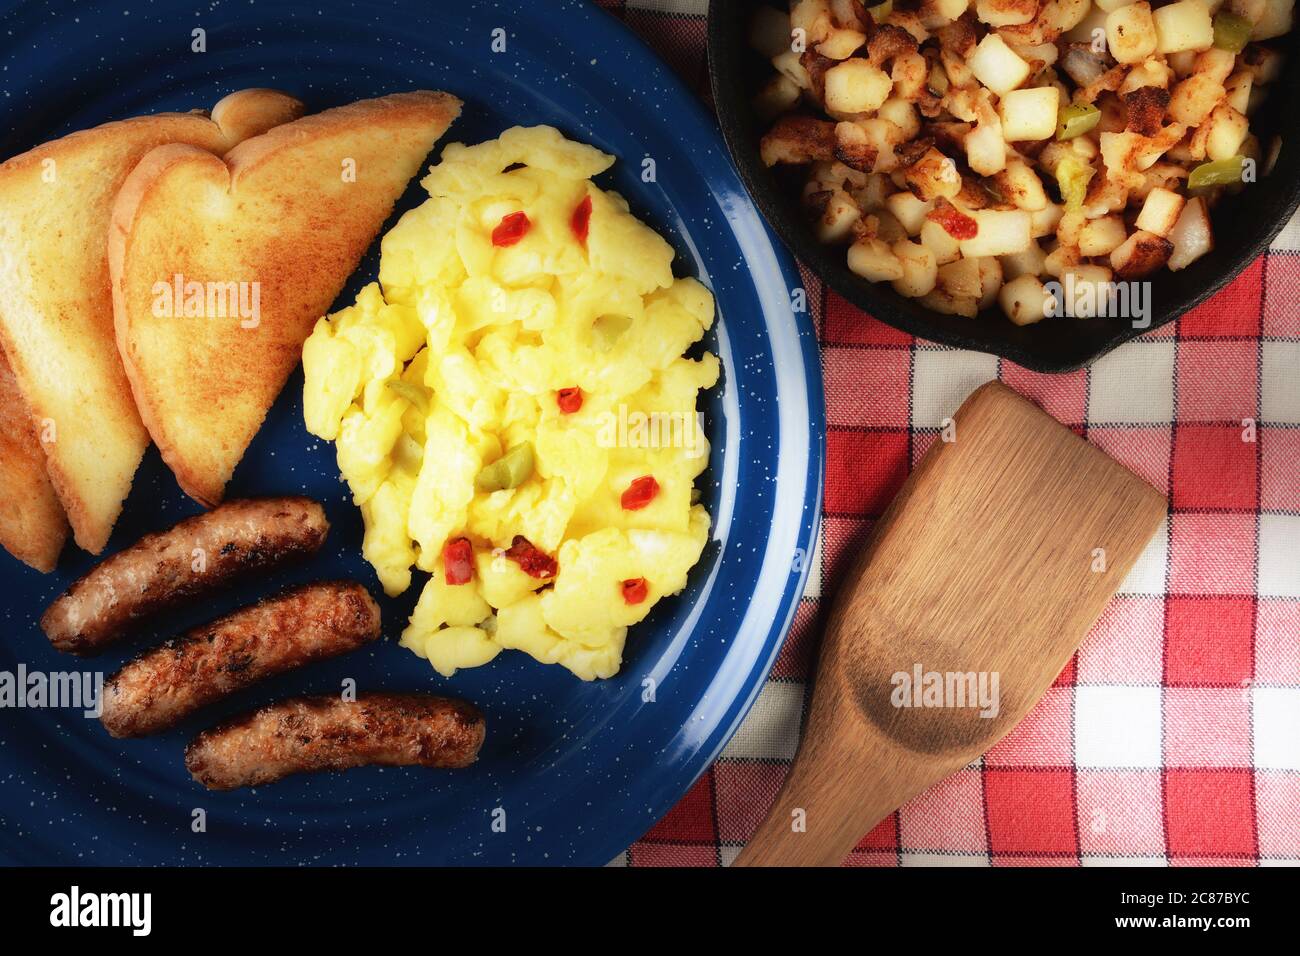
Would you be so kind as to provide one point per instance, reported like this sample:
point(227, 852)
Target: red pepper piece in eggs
point(533, 561)
point(635, 590)
point(569, 400)
point(581, 221)
point(458, 561)
point(640, 493)
point(511, 229)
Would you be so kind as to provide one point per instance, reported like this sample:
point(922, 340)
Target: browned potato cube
point(932, 176)
point(1131, 32)
point(1140, 255)
point(1160, 211)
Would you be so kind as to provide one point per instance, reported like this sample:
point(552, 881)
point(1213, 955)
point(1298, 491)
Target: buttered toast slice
point(220, 268)
point(56, 308)
point(33, 526)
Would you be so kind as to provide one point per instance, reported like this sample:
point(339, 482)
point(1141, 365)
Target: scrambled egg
point(513, 411)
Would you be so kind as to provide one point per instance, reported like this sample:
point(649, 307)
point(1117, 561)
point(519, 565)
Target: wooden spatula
point(988, 569)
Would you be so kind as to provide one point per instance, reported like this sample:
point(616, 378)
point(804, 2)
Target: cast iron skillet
point(1243, 225)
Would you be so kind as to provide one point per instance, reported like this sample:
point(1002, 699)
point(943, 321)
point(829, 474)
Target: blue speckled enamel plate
point(580, 769)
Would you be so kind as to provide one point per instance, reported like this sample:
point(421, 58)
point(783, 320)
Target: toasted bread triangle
point(56, 310)
point(258, 246)
point(33, 526)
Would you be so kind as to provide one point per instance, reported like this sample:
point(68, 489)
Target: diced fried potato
point(1195, 144)
point(798, 139)
point(997, 66)
point(960, 278)
point(1150, 72)
point(1192, 236)
point(920, 271)
point(1227, 131)
point(959, 37)
point(885, 136)
point(838, 218)
point(1039, 57)
point(1109, 5)
point(817, 189)
point(1084, 287)
point(1131, 33)
point(986, 150)
point(938, 300)
point(910, 22)
point(1021, 186)
point(1029, 262)
point(1061, 16)
point(849, 13)
point(1163, 176)
point(888, 227)
point(779, 95)
point(1160, 211)
point(813, 17)
point(855, 86)
point(965, 104)
point(855, 148)
point(834, 173)
point(1140, 255)
point(1043, 222)
point(873, 260)
point(1070, 227)
point(1107, 194)
point(1094, 19)
point(791, 65)
point(1000, 232)
point(1024, 299)
point(937, 239)
point(1002, 13)
point(1183, 63)
point(909, 74)
point(769, 32)
point(990, 280)
point(938, 13)
point(1100, 237)
point(1127, 154)
point(932, 176)
point(956, 70)
point(1215, 63)
point(902, 114)
point(1194, 98)
point(841, 44)
point(1060, 261)
point(1029, 114)
point(908, 210)
point(871, 194)
point(1184, 25)
point(1275, 21)
point(1237, 90)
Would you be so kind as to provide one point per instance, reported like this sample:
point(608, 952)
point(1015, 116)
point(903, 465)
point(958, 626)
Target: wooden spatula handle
point(846, 778)
point(817, 819)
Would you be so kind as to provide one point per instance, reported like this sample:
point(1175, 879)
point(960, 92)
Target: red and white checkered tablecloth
point(1173, 736)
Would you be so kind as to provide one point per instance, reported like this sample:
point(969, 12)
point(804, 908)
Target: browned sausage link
point(305, 734)
point(193, 558)
point(164, 685)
